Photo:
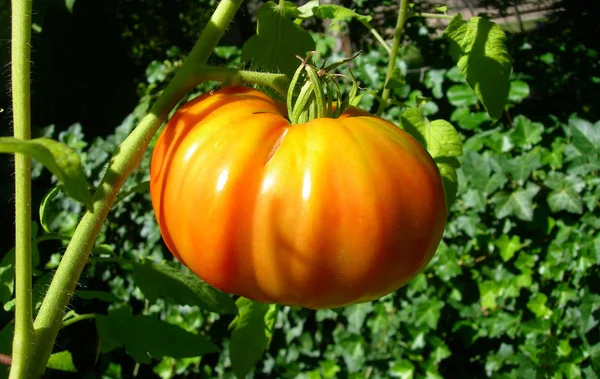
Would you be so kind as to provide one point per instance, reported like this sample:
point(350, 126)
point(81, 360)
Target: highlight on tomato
point(319, 214)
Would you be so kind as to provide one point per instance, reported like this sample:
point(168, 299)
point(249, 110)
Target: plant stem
point(24, 337)
point(402, 17)
point(377, 36)
point(127, 157)
point(78, 318)
point(431, 15)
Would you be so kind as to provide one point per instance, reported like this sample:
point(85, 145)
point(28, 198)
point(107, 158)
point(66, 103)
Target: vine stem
point(73, 320)
point(126, 158)
point(402, 17)
point(431, 15)
point(24, 337)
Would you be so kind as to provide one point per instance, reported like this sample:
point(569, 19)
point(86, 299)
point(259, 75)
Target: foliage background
point(513, 290)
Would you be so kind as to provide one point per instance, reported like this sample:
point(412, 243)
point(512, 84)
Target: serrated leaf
point(251, 333)
point(521, 167)
point(146, 337)
point(277, 41)
point(526, 133)
point(518, 204)
point(182, 287)
point(479, 46)
point(396, 80)
point(442, 142)
point(62, 361)
point(306, 10)
point(508, 246)
point(565, 192)
point(339, 13)
point(57, 157)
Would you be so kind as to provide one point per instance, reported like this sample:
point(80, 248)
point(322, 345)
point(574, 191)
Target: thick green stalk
point(402, 17)
point(24, 338)
point(125, 160)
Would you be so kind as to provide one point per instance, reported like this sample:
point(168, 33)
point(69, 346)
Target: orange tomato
point(323, 214)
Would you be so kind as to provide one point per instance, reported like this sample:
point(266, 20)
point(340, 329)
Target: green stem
point(78, 318)
point(431, 15)
point(402, 17)
point(24, 337)
point(127, 157)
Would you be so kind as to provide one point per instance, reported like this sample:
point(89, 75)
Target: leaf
point(479, 47)
point(69, 4)
point(403, 370)
point(537, 305)
point(461, 95)
point(57, 157)
point(508, 246)
point(518, 91)
point(146, 337)
point(442, 142)
point(7, 276)
point(586, 137)
point(397, 79)
point(277, 41)
point(526, 134)
point(251, 333)
point(565, 195)
point(518, 204)
point(181, 287)
point(62, 361)
point(306, 10)
point(44, 208)
point(339, 13)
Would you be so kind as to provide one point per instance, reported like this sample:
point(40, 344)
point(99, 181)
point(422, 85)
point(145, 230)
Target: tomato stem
point(402, 17)
point(24, 337)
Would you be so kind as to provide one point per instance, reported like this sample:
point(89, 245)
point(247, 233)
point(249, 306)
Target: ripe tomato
point(322, 214)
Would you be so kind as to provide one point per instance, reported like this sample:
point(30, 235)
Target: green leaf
point(526, 134)
point(442, 142)
point(44, 211)
point(518, 91)
point(508, 246)
point(565, 195)
point(181, 287)
point(397, 80)
point(518, 204)
point(277, 41)
point(339, 13)
point(7, 276)
point(62, 361)
point(537, 305)
point(441, 8)
point(461, 95)
point(479, 46)
point(586, 137)
point(251, 333)
point(57, 157)
point(306, 10)
point(403, 370)
point(69, 4)
point(521, 167)
point(146, 337)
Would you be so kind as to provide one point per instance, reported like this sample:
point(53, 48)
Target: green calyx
point(314, 92)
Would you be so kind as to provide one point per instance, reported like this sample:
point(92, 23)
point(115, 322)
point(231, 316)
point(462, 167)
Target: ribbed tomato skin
point(323, 214)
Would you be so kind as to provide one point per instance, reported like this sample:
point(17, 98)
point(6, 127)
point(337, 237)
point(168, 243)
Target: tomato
point(323, 214)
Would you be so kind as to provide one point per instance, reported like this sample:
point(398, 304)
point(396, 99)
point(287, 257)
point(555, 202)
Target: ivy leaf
point(586, 137)
point(251, 333)
point(518, 91)
point(565, 195)
point(526, 133)
point(57, 157)
point(508, 246)
point(518, 204)
point(277, 41)
point(339, 13)
point(442, 142)
point(62, 361)
point(146, 337)
point(479, 46)
point(182, 287)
